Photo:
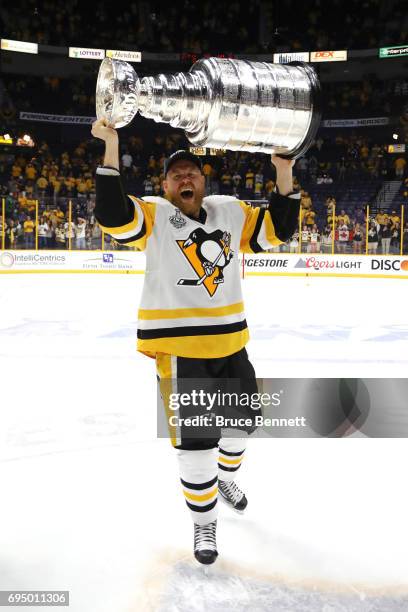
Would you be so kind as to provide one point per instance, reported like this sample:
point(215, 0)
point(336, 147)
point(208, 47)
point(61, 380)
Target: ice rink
point(91, 501)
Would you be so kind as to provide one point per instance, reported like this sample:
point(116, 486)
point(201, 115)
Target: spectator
point(69, 230)
point(29, 227)
point(305, 239)
point(294, 243)
point(372, 238)
point(127, 161)
point(80, 233)
point(11, 234)
point(226, 181)
point(399, 166)
point(258, 189)
point(50, 235)
point(208, 173)
point(386, 235)
point(302, 166)
point(60, 236)
point(148, 186)
point(327, 240)
point(343, 218)
point(395, 237)
point(343, 236)
point(249, 180)
point(42, 185)
point(357, 239)
point(314, 239)
point(236, 182)
point(405, 239)
point(309, 218)
point(43, 228)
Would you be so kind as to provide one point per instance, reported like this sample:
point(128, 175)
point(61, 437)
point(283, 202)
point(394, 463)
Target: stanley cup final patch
point(177, 220)
point(207, 254)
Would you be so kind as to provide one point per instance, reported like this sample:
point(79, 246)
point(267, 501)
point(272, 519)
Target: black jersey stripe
point(253, 243)
point(229, 454)
point(133, 238)
point(193, 330)
point(200, 486)
point(206, 508)
point(110, 189)
point(285, 215)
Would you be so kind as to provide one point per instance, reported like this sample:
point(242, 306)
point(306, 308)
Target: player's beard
point(189, 206)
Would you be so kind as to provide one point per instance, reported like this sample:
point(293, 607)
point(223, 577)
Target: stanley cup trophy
point(220, 103)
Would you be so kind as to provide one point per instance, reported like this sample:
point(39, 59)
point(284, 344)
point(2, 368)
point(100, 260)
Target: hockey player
point(191, 317)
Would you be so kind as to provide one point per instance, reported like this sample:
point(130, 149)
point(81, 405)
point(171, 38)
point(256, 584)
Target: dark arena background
point(91, 498)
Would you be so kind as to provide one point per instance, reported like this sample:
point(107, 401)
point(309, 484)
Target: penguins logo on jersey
point(208, 254)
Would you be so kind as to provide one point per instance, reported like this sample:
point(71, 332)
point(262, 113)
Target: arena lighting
point(395, 136)
point(25, 141)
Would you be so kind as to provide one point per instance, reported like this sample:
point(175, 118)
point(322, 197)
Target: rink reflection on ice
point(91, 499)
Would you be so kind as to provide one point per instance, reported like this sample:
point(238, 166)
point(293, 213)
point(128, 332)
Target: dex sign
point(328, 56)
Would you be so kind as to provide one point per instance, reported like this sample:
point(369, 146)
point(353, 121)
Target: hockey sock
point(231, 454)
point(199, 480)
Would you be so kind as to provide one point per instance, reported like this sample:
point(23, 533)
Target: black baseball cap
point(184, 155)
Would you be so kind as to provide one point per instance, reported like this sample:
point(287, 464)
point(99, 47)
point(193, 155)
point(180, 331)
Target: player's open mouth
point(187, 194)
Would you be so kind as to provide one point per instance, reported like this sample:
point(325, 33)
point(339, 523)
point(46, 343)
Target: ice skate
point(205, 544)
point(232, 495)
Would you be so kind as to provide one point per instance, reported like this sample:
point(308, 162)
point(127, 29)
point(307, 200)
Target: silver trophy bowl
point(117, 92)
point(220, 103)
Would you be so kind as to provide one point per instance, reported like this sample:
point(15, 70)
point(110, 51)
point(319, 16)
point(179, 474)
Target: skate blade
point(206, 569)
point(230, 506)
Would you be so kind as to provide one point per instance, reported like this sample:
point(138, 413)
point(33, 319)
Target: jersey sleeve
point(129, 220)
point(264, 228)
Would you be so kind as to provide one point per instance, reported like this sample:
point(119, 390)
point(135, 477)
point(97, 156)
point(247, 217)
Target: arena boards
point(265, 264)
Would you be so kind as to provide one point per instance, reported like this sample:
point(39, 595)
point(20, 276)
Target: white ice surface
point(91, 501)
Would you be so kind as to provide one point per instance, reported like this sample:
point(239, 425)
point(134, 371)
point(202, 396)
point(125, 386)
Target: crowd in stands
point(148, 25)
point(356, 24)
point(347, 231)
point(184, 25)
point(57, 179)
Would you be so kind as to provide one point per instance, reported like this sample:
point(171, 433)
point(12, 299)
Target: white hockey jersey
point(192, 302)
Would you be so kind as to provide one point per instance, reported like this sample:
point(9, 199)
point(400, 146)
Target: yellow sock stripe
point(222, 459)
point(201, 497)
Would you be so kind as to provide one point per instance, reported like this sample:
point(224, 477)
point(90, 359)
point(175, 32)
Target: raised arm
point(267, 227)
point(100, 129)
point(285, 203)
point(284, 174)
point(127, 219)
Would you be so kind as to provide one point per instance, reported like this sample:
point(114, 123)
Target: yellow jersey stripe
point(183, 313)
point(251, 217)
point(270, 230)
